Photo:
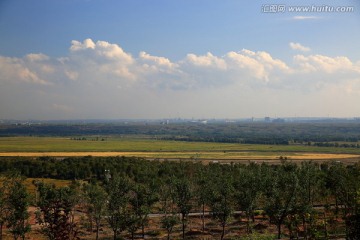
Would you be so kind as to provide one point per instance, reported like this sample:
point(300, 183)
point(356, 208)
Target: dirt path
point(205, 156)
point(70, 154)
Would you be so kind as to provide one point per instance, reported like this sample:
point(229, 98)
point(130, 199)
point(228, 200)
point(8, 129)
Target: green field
point(146, 145)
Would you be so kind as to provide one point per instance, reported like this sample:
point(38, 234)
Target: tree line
point(303, 201)
point(246, 132)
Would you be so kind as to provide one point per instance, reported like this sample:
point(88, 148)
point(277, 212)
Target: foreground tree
point(141, 200)
point(18, 201)
point(280, 194)
point(118, 190)
point(247, 190)
point(3, 210)
point(307, 193)
point(96, 198)
point(353, 229)
point(168, 222)
point(55, 211)
point(222, 201)
point(170, 219)
point(344, 185)
point(182, 195)
point(202, 192)
point(133, 223)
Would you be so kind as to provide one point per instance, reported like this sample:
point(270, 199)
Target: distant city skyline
point(157, 59)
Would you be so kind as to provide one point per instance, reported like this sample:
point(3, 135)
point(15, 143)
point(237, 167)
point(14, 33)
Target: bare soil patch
point(206, 157)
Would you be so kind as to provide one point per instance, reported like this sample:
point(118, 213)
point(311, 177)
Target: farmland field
point(71, 166)
point(166, 149)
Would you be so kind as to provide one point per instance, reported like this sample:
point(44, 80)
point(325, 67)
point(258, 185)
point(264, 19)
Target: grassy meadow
point(152, 148)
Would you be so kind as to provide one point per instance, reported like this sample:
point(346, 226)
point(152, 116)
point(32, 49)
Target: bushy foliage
point(135, 188)
point(55, 211)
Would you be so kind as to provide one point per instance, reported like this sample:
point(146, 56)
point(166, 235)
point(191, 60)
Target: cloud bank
point(101, 80)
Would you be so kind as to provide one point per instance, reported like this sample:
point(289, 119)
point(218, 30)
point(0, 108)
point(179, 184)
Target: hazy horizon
point(95, 59)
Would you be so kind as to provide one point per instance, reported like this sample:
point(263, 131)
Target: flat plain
point(167, 149)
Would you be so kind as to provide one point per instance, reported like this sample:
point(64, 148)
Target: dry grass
point(189, 155)
point(322, 156)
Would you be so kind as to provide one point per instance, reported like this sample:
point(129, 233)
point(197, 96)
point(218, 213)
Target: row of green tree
point(303, 199)
point(336, 144)
point(244, 132)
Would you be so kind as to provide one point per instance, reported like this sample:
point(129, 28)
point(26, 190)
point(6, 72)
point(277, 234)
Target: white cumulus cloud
point(298, 46)
point(154, 60)
point(208, 60)
point(37, 57)
point(320, 63)
point(102, 77)
point(15, 69)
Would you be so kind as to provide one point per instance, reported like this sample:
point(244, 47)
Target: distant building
point(278, 120)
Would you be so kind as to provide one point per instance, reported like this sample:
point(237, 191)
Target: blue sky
point(62, 59)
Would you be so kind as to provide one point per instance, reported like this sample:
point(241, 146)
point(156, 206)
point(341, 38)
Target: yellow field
point(189, 155)
point(166, 149)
